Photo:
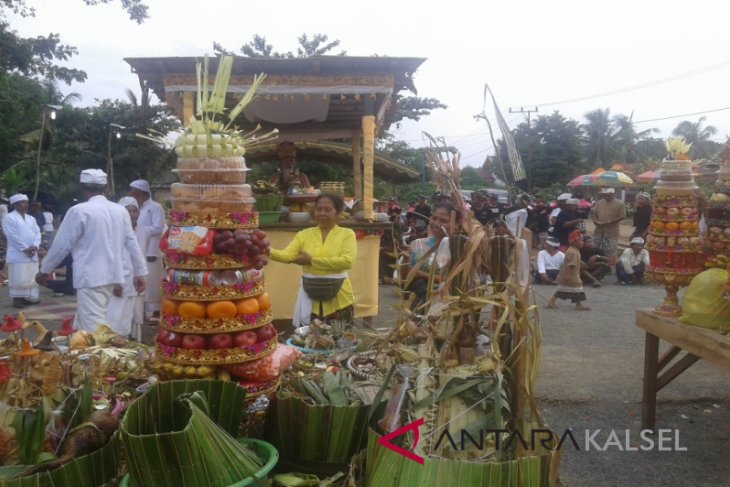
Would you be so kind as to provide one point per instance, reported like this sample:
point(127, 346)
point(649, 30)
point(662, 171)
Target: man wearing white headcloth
point(150, 225)
point(122, 313)
point(96, 233)
point(24, 238)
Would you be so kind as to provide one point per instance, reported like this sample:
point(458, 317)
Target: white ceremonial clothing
point(150, 225)
point(96, 233)
point(3, 212)
point(151, 222)
point(516, 221)
point(120, 312)
point(91, 306)
point(21, 281)
point(545, 261)
point(22, 232)
point(48, 225)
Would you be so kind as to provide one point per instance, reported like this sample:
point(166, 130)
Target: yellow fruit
point(248, 306)
point(222, 309)
point(169, 306)
point(190, 310)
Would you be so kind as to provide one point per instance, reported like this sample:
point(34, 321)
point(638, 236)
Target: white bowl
point(381, 217)
point(300, 217)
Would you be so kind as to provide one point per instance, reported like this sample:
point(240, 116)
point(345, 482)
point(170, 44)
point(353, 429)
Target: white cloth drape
point(92, 304)
point(21, 281)
point(303, 307)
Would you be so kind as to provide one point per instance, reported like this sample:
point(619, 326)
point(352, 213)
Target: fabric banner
point(518, 170)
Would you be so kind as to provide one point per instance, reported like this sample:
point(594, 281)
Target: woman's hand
point(302, 259)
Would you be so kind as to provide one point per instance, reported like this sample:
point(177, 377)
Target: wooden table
point(696, 343)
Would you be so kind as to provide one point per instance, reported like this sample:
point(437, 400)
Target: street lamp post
point(114, 131)
point(49, 110)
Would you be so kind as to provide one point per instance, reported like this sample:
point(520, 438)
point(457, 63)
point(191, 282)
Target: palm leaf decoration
point(180, 433)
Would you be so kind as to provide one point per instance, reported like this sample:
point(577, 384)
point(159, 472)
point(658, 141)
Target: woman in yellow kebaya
point(325, 252)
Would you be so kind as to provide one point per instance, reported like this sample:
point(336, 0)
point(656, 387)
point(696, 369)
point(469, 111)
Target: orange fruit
point(671, 226)
point(169, 307)
point(190, 310)
point(221, 309)
point(264, 301)
point(657, 225)
point(248, 306)
point(695, 225)
point(685, 226)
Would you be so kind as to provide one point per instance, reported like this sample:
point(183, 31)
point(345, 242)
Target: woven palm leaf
point(180, 433)
point(90, 470)
point(326, 434)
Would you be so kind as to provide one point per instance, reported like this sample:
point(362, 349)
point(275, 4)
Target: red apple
point(672, 211)
point(687, 211)
point(221, 340)
point(162, 337)
point(659, 210)
point(173, 339)
point(191, 342)
point(245, 338)
point(266, 333)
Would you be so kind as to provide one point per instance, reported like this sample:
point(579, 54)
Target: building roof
point(355, 86)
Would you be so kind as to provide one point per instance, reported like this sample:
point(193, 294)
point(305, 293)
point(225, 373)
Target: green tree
point(38, 57)
point(627, 139)
point(700, 138)
point(471, 179)
point(550, 149)
point(600, 138)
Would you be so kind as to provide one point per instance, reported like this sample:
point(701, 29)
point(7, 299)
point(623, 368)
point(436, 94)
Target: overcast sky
point(530, 52)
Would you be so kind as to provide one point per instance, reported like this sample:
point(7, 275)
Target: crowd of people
point(564, 255)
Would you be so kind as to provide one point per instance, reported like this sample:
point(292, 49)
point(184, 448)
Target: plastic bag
point(705, 304)
point(188, 240)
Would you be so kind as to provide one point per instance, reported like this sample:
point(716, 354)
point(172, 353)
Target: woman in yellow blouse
point(325, 252)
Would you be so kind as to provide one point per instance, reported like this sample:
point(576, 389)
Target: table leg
point(648, 400)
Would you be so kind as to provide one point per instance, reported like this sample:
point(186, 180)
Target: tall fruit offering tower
point(674, 244)
point(717, 217)
point(215, 311)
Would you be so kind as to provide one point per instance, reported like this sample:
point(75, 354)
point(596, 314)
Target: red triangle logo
point(385, 440)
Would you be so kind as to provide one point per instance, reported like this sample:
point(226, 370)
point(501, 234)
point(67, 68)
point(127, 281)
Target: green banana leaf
point(169, 439)
point(324, 434)
point(90, 470)
point(386, 468)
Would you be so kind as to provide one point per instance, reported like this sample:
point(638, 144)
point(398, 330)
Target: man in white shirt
point(150, 225)
point(24, 237)
point(549, 262)
point(96, 233)
point(553, 218)
point(633, 263)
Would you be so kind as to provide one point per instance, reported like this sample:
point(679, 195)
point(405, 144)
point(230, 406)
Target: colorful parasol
point(612, 179)
point(648, 177)
point(583, 180)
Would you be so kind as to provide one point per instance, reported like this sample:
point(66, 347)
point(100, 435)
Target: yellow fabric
point(368, 152)
point(336, 254)
point(283, 280)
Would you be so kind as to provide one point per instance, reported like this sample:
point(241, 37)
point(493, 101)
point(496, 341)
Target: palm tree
point(599, 137)
point(702, 146)
point(627, 138)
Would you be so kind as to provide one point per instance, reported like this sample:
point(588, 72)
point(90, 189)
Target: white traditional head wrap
point(93, 176)
point(141, 185)
point(16, 198)
point(637, 240)
point(572, 201)
point(129, 201)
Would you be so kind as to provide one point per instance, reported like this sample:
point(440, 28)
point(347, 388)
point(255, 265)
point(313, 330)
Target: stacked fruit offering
point(674, 244)
point(717, 218)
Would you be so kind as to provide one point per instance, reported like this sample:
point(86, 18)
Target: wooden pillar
point(368, 153)
point(188, 107)
point(357, 166)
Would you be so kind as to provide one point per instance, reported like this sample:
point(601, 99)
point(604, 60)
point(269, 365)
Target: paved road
point(591, 377)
